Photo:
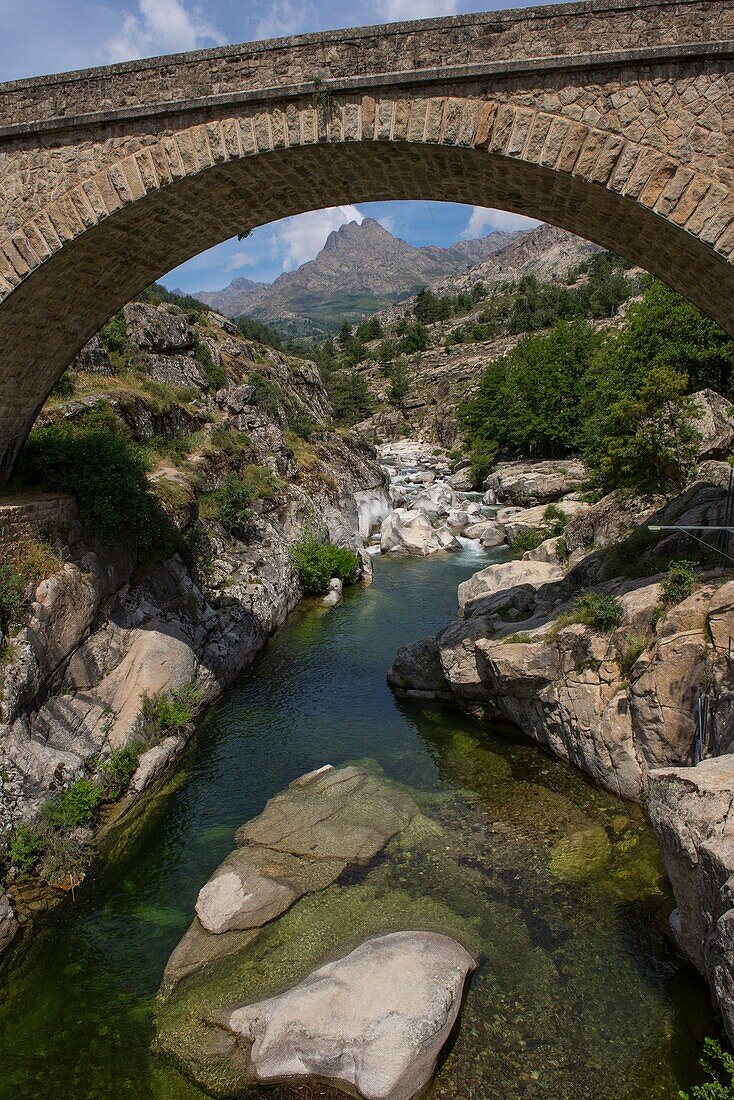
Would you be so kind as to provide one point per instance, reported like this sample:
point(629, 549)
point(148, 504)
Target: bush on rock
point(316, 563)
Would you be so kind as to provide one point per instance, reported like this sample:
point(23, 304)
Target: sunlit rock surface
point(375, 1020)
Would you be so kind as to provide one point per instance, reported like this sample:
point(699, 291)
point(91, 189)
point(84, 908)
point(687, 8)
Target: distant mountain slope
point(361, 269)
point(547, 252)
point(233, 300)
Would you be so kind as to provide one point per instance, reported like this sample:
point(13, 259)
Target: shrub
point(555, 521)
point(316, 563)
point(678, 584)
point(266, 395)
point(599, 611)
point(113, 335)
point(529, 539)
point(98, 462)
point(63, 386)
point(64, 859)
point(25, 847)
point(30, 561)
point(233, 502)
point(214, 373)
point(73, 806)
point(716, 1063)
point(11, 597)
point(118, 770)
point(634, 646)
point(168, 712)
point(482, 456)
point(301, 424)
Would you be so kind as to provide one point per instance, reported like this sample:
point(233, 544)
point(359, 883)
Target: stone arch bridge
point(613, 119)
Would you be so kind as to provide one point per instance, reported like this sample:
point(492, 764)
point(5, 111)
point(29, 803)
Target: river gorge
point(580, 992)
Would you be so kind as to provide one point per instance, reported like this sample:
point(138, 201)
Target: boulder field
point(370, 1017)
point(616, 697)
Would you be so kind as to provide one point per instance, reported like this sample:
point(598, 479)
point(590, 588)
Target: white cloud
point(388, 223)
point(393, 11)
point(301, 238)
point(283, 18)
point(158, 27)
point(240, 259)
point(484, 220)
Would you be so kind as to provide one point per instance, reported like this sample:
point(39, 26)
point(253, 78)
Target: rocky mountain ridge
point(361, 269)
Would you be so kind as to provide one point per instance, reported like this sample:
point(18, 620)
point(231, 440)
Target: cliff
point(107, 639)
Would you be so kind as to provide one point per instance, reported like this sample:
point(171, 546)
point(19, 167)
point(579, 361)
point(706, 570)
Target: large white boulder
point(437, 500)
point(504, 577)
point(373, 505)
point(373, 1022)
point(406, 531)
point(490, 534)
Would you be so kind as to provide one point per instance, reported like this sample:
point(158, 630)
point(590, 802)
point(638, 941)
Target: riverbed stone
point(374, 1021)
point(345, 813)
point(305, 838)
point(240, 897)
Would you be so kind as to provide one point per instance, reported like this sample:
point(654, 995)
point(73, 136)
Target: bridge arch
point(633, 149)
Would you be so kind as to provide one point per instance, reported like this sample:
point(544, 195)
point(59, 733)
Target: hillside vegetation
point(601, 364)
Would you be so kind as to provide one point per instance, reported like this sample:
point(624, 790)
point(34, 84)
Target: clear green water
point(580, 995)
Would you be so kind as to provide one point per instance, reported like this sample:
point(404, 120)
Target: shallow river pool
point(580, 994)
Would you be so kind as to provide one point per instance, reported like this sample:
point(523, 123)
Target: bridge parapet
point(573, 33)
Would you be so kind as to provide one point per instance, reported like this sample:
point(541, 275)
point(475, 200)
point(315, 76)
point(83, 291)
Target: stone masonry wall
point(37, 515)
point(509, 36)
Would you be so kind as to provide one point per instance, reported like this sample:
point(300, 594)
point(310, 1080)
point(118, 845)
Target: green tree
point(666, 330)
point(350, 397)
point(399, 388)
point(641, 440)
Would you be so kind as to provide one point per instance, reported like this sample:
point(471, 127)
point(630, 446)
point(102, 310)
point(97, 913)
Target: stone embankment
point(103, 635)
point(585, 646)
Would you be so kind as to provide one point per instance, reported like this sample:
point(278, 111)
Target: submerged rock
point(375, 1020)
point(304, 839)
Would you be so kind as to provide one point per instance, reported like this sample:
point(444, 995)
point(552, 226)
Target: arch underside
point(56, 309)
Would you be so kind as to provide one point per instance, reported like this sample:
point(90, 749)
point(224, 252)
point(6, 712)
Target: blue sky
point(46, 36)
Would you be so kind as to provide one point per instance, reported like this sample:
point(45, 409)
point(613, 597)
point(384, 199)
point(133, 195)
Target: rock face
point(8, 923)
point(531, 483)
point(304, 839)
point(374, 1021)
point(504, 578)
point(101, 632)
point(691, 810)
point(617, 703)
point(714, 423)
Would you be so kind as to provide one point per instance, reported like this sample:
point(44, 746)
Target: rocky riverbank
point(105, 639)
point(599, 649)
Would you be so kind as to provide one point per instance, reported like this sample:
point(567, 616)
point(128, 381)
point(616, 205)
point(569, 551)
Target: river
point(580, 995)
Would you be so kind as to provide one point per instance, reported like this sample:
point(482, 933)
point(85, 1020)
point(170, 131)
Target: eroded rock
point(304, 839)
point(374, 1021)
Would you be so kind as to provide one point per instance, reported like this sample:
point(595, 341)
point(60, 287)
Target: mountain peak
point(361, 269)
